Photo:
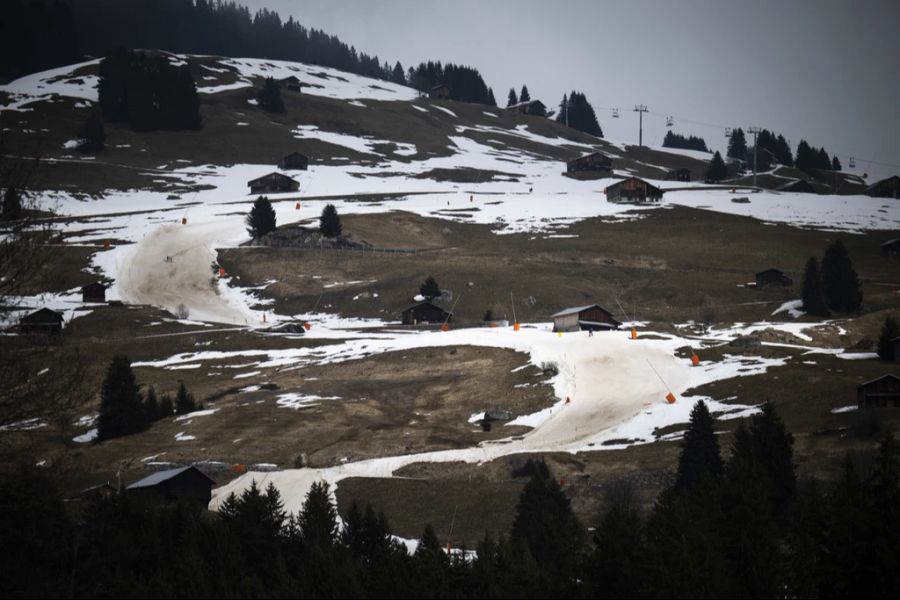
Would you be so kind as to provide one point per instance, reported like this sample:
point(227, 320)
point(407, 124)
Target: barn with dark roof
point(592, 317)
point(185, 484)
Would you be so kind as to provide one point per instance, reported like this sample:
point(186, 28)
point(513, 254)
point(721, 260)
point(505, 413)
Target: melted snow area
point(610, 389)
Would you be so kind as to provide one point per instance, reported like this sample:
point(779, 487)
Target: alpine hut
point(426, 312)
point(273, 183)
point(593, 162)
point(42, 321)
point(633, 189)
point(882, 392)
point(773, 278)
point(592, 317)
point(185, 484)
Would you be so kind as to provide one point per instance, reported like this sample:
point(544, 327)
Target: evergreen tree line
point(465, 83)
point(40, 34)
point(833, 286)
point(808, 158)
point(724, 528)
point(147, 92)
point(676, 140)
point(124, 409)
point(575, 110)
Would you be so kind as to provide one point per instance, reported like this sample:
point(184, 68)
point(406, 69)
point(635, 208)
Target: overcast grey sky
point(827, 71)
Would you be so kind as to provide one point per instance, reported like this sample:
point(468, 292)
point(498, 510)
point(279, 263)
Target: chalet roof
point(890, 242)
point(772, 270)
point(592, 154)
point(273, 174)
point(424, 302)
point(576, 310)
point(876, 380)
point(290, 78)
point(294, 153)
point(680, 170)
point(43, 315)
point(878, 183)
point(525, 104)
point(647, 183)
point(161, 476)
point(439, 86)
point(94, 286)
point(797, 185)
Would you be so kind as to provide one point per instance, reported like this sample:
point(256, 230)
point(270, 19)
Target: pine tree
point(317, 520)
point(813, 294)
point(184, 401)
point(717, 170)
point(261, 219)
point(562, 114)
point(836, 164)
point(842, 289)
point(12, 205)
point(772, 446)
point(524, 96)
point(269, 97)
point(491, 101)
point(92, 134)
point(330, 222)
point(890, 331)
point(430, 288)
point(121, 411)
point(615, 568)
point(737, 145)
point(398, 74)
point(166, 407)
point(512, 100)
point(806, 158)
point(700, 458)
point(580, 113)
point(151, 406)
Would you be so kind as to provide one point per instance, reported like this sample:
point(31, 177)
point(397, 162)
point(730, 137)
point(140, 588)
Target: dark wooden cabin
point(679, 175)
point(185, 484)
point(596, 161)
point(273, 183)
point(290, 83)
point(773, 278)
point(891, 247)
point(440, 91)
point(801, 185)
point(531, 107)
point(879, 393)
point(583, 318)
point(42, 321)
point(633, 189)
point(294, 161)
point(93, 292)
point(426, 312)
point(886, 188)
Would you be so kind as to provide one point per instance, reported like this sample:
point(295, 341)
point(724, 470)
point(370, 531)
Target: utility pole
point(755, 131)
point(640, 109)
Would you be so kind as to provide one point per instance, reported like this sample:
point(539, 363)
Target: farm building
point(531, 107)
point(294, 161)
point(440, 91)
point(185, 484)
point(596, 161)
point(800, 185)
point(290, 83)
point(879, 393)
point(633, 189)
point(679, 175)
point(425, 312)
point(773, 278)
point(273, 183)
point(93, 292)
point(886, 188)
point(592, 317)
point(891, 247)
point(42, 321)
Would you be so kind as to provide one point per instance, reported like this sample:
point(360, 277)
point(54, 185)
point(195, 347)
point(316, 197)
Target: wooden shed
point(273, 183)
point(891, 247)
point(294, 162)
point(679, 175)
point(186, 484)
point(582, 318)
point(879, 393)
point(426, 312)
point(596, 161)
point(290, 83)
point(633, 189)
point(42, 321)
point(886, 188)
point(93, 292)
point(440, 91)
point(773, 278)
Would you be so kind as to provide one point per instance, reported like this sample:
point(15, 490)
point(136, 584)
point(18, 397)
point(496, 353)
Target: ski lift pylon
point(852, 162)
point(670, 121)
point(615, 113)
point(728, 132)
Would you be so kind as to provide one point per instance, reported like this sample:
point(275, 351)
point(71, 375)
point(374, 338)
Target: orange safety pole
point(298, 206)
point(221, 272)
point(670, 397)
point(184, 220)
point(106, 244)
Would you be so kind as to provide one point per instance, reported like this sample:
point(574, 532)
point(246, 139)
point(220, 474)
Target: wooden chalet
point(294, 162)
point(440, 91)
point(273, 183)
point(290, 83)
point(633, 189)
point(882, 392)
point(886, 188)
point(531, 107)
point(93, 292)
point(773, 278)
point(595, 161)
point(186, 484)
point(891, 247)
point(679, 175)
point(592, 317)
point(425, 312)
point(42, 321)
